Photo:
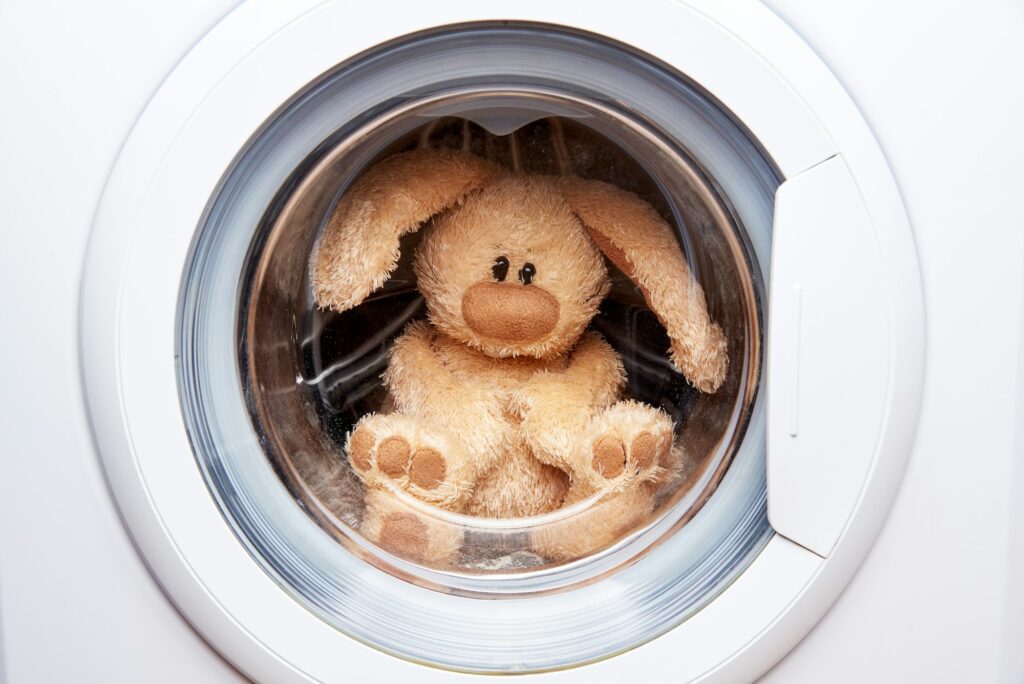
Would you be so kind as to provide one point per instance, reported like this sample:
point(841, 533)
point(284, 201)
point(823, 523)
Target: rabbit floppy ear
point(359, 248)
point(639, 242)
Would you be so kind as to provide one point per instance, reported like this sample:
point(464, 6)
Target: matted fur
point(526, 422)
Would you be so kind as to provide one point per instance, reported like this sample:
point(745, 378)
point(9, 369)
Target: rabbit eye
point(500, 268)
point(527, 272)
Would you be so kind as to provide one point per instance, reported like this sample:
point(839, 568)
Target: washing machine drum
point(483, 313)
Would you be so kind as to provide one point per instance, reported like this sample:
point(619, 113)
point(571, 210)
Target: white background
point(941, 595)
point(75, 599)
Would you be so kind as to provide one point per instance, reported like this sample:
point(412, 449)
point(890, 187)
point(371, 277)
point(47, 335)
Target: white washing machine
point(177, 505)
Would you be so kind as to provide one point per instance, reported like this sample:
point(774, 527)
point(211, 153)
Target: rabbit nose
point(510, 313)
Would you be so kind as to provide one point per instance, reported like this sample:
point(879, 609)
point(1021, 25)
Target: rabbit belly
point(518, 485)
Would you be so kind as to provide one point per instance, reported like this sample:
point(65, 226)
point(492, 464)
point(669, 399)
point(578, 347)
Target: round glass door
point(488, 302)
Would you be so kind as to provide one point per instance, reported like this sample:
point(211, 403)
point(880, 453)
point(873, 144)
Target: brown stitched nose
point(508, 312)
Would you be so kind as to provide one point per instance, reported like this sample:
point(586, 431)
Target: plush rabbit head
point(511, 264)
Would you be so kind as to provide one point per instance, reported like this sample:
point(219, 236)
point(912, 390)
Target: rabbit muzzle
point(510, 312)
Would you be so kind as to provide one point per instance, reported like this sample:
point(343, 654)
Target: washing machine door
point(221, 397)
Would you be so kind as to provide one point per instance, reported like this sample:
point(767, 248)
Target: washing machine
point(834, 194)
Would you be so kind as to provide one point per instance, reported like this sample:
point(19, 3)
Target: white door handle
point(828, 354)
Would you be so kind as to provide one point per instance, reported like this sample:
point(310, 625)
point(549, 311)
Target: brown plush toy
point(504, 405)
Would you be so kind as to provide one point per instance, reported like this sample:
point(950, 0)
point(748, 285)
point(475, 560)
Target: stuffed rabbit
point(504, 404)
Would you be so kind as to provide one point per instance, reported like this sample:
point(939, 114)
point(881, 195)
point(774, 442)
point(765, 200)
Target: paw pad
point(393, 456)
point(405, 535)
point(609, 456)
point(428, 468)
point(643, 450)
point(359, 448)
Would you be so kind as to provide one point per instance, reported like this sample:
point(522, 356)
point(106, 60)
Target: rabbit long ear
point(639, 242)
point(360, 246)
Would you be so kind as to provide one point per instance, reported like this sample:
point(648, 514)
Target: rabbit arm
point(556, 407)
point(423, 387)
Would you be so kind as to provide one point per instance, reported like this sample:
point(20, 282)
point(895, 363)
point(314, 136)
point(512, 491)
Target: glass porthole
point(479, 315)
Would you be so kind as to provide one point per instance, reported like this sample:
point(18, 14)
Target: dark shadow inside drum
point(310, 374)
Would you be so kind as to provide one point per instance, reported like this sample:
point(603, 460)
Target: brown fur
point(503, 405)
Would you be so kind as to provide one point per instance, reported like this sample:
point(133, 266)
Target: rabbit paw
point(629, 442)
point(410, 531)
point(409, 456)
